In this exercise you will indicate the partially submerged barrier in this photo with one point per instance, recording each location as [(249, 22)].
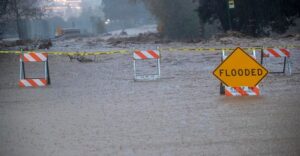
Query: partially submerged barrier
[(277, 53), (142, 55), (34, 82), (239, 90)]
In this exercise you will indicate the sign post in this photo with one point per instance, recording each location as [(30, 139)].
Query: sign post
[(231, 4)]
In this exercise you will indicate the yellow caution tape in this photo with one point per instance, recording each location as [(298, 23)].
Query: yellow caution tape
[(89, 53), (73, 53), (221, 49), (9, 52), (185, 49), (205, 49)]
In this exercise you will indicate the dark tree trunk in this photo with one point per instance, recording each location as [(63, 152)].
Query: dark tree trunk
[(16, 11)]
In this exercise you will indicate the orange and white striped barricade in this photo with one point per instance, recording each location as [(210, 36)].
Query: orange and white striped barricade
[(34, 82), (241, 90), (278, 53), (142, 55)]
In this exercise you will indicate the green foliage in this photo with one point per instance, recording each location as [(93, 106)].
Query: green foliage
[(17, 10), (252, 17), (177, 18), (3, 5), (22, 9), (100, 26)]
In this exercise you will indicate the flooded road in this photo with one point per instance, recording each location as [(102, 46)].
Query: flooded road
[(97, 109)]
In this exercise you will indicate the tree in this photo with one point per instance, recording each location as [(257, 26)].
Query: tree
[(252, 17), (3, 5), (177, 19), (92, 16), (125, 12), (17, 10)]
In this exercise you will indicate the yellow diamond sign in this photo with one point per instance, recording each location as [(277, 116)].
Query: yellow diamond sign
[(240, 69)]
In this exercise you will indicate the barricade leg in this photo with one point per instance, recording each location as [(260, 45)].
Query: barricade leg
[(134, 69), (48, 73), (158, 67), (22, 70), (222, 89), (284, 64), (289, 66)]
